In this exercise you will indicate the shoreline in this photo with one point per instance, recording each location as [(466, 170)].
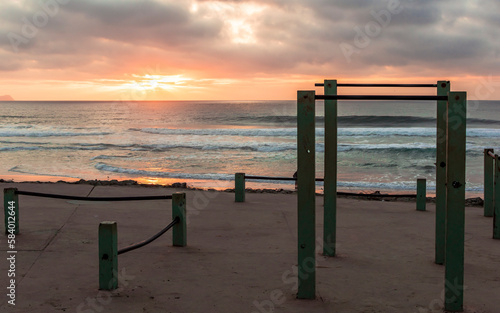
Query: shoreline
[(370, 196)]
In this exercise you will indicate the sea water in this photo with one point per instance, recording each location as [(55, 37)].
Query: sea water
[(381, 145)]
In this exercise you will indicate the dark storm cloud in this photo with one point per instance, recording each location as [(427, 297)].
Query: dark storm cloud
[(288, 37)]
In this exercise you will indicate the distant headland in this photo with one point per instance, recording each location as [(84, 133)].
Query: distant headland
[(6, 98)]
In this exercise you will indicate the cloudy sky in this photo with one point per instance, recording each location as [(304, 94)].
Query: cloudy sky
[(261, 49)]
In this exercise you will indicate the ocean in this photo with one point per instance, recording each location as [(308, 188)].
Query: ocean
[(383, 146)]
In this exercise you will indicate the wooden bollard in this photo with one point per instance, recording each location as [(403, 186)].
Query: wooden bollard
[(421, 194), (239, 187), (179, 230), (108, 256)]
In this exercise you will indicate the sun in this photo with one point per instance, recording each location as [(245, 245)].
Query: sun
[(156, 82)]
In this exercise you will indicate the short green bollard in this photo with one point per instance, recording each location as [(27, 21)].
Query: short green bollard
[(496, 211), (489, 164), (239, 187), (421, 194), (179, 231), (108, 256), (11, 210)]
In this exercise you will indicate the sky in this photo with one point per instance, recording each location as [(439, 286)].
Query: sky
[(243, 50)]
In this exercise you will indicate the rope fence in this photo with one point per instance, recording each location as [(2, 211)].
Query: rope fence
[(108, 246), (150, 240), (11, 203), (67, 197), (240, 182), (108, 237)]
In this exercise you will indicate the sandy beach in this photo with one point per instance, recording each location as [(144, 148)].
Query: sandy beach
[(240, 256)]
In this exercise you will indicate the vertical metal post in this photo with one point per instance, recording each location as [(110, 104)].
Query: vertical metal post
[(489, 164), (11, 210), (421, 194), (330, 168), (179, 231), (239, 187), (306, 194), (496, 211), (443, 87), (455, 201), (108, 256)]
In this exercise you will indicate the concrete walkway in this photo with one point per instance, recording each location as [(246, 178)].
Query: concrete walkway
[(240, 257)]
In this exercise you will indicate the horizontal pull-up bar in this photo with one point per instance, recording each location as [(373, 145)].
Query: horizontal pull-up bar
[(379, 97), (380, 85)]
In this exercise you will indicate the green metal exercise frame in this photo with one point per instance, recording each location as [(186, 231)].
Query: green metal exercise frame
[(452, 244), (330, 166)]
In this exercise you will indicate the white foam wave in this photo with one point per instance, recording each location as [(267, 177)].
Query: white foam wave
[(364, 185), (137, 172), (14, 133), (292, 132), (20, 148)]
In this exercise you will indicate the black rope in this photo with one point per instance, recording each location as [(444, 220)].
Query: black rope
[(338, 193), (379, 85), (277, 178), (376, 195), (379, 97), (48, 195), (150, 240)]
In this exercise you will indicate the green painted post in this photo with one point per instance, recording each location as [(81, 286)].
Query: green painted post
[(179, 231), (108, 256), (488, 183), (330, 168), (11, 210), (496, 211), (443, 87), (306, 194), (239, 187), (421, 194), (455, 201)]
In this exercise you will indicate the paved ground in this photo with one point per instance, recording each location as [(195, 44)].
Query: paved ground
[(240, 256)]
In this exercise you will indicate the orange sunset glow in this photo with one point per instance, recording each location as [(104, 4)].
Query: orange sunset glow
[(240, 50)]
